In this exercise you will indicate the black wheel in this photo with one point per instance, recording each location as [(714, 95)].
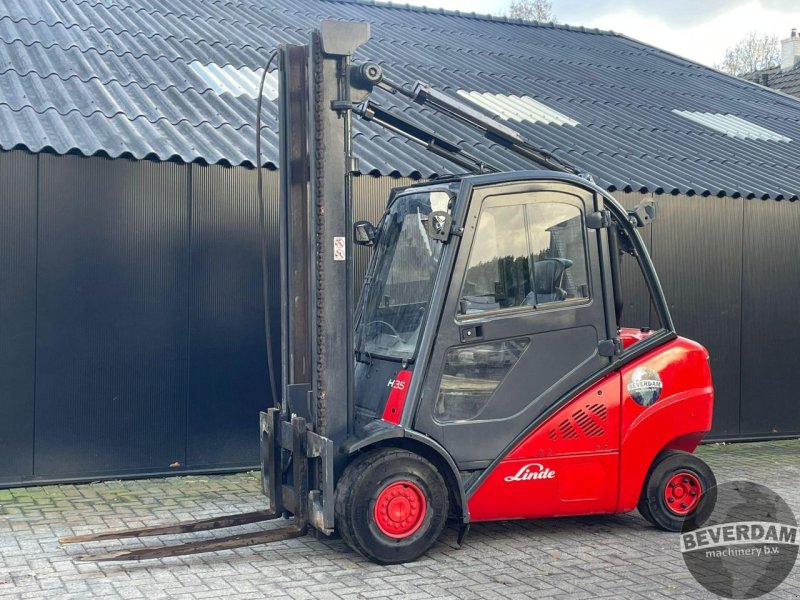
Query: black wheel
[(644, 510), (391, 505), (679, 487)]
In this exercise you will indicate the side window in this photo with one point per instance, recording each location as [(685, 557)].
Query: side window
[(557, 252), (498, 274), (471, 375), (526, 251)]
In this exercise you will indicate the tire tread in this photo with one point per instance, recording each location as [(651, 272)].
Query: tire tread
[(350, 482)]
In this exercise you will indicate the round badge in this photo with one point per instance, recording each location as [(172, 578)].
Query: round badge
[(645, 386)]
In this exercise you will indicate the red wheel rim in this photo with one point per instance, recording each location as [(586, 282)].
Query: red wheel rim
[(682, 493), (400, 509)]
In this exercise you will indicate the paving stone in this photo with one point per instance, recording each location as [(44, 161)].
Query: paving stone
[(618, 556)]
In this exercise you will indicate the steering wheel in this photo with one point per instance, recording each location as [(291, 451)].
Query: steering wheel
[(394, 332)]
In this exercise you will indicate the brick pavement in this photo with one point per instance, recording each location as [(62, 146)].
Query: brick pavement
[(617, 556)]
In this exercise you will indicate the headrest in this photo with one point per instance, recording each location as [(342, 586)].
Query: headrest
[(547, 274)]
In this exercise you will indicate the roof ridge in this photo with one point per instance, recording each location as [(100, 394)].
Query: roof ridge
[(475, 16)]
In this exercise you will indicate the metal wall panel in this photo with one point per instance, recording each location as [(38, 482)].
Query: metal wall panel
[(227, 366), (636, 298), (770, 318), (112, 326), (697, 251), (149, 297), (17, 312)]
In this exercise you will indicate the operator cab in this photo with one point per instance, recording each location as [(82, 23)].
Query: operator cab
[(504, 314)]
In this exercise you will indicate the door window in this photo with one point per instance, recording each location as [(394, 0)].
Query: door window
[(557, 252), (498, 275), (526, 252), (471, 375)]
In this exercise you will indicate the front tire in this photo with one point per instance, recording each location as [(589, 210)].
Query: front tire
[(680, 487), (391, 505)]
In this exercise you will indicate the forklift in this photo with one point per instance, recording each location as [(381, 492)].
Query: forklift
[(484, 372)]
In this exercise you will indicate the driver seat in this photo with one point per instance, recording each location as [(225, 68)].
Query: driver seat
[(548, 275)]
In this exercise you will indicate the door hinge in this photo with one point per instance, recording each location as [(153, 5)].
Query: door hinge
[(599, 219), (611, 347), (457, 231)]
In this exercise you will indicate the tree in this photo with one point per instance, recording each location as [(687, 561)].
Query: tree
[(532, 10), (756, 52)]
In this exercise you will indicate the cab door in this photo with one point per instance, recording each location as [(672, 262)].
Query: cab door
[(522, 321)]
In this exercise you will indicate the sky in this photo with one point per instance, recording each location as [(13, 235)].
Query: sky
[(699, 30)]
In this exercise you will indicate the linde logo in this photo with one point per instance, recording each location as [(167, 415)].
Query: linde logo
[(532, 471)]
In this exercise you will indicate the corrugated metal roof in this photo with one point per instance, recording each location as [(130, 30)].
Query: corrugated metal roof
[(170, 79)]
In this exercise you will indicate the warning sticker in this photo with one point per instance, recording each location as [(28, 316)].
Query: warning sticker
[(338, 248)]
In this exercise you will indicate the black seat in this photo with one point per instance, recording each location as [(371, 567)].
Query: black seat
[(548, 274)]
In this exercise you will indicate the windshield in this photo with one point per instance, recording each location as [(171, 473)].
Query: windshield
[(398, 286)]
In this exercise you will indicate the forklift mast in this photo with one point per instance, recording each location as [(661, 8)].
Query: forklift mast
[(314, 415)]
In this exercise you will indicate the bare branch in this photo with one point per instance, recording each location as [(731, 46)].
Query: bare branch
[(533, 10), (754, 53)]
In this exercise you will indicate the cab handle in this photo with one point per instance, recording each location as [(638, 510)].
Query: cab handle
[(471, 332)]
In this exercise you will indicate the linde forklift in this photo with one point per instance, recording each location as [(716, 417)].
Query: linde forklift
[(484, 373)]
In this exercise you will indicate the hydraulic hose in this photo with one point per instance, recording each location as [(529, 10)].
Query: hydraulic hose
[(262, 212)]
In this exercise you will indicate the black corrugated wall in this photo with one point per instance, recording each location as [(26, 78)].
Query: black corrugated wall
[(730, 269), (131, 328), (770, 326), (17, 314), (131, 317), (697, 250), (227, 353), (111, 332)]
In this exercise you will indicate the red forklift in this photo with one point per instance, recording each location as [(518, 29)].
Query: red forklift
[(484, 372)]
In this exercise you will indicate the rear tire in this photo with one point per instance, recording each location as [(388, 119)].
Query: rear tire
[(391, 505), (679, 487)]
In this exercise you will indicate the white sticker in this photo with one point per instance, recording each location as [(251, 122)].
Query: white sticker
[(338, 248)]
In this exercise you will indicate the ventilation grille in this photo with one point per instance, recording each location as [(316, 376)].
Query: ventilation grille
[(587, 425), (599, 411), (584, 421), (567, 430)]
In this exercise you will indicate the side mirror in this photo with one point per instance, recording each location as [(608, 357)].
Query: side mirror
[(363, 233), (643, 213)]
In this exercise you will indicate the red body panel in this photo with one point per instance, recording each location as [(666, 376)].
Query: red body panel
[(593, 454), (679, 420), (630, 336)]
